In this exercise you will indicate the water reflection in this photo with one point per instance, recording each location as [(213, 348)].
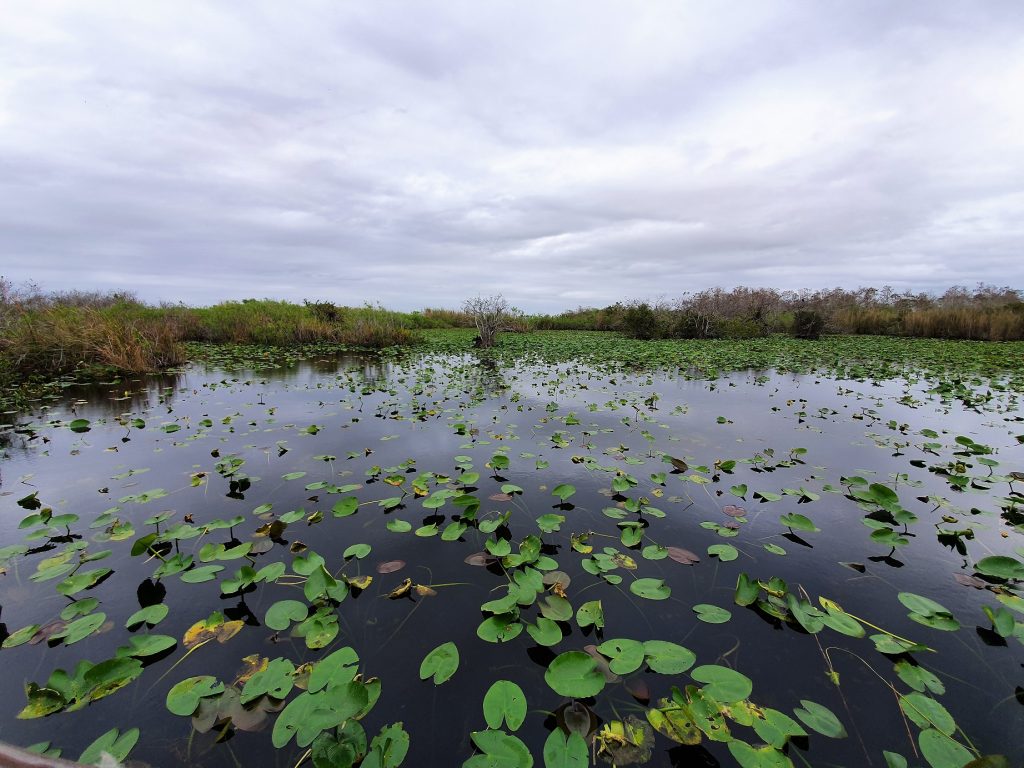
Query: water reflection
[(568, 423)]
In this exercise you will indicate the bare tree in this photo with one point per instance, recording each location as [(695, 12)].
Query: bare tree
[(490, 314)]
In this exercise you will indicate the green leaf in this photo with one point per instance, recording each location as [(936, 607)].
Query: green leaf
[(183, 698), (590, 614), (723, 684), (919, 678), (440, 663), (108, 677), (556, 608), (141, 646), (500, 750), (506, 701), (668, 658), (711, 614), (41, 702), (765, 757), (842, 622), (819, 718), (626, 655), (798, 522), (561, 751), (724, 552), (310, 713), (150, 615), (388, 748), (358, 551), (80, 628), (1000, 567), (550, 523), (563, 491), (202, 574), (545, 632), (80, 581), (275, 681), (339, 668), (25, 634), (926, 712), (345, 507), (651, 589), (776, 728), (117, 745), (928, 612), (574, 674), (500, 628), (747, 590), (282, 613), (941, 751)]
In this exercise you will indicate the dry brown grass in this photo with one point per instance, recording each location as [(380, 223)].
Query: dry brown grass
[(965, 323)]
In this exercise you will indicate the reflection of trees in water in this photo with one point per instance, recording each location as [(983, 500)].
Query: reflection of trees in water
[(111, 399), (489, 376)]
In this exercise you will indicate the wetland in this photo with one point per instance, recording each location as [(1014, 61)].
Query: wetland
[(573, 547)]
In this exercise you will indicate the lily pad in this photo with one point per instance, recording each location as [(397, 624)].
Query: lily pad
[(506, 701), (440, 663), (574, 674), (651, 589)]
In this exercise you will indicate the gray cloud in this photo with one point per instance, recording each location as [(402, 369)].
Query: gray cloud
[(564, 154)]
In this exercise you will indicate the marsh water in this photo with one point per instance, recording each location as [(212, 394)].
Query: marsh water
[(303, 437)]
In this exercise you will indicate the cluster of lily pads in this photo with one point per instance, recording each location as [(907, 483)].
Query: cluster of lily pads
[(614, 536)]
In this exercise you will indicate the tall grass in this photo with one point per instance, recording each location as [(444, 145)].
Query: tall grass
[(56, 339), (965, 323), (44, 336)]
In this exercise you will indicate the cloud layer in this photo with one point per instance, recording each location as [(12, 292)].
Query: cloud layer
[(560, 153)]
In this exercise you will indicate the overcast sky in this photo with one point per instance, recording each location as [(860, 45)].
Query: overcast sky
[(562, 153)]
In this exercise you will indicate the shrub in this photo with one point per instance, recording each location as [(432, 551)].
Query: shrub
[(323, 310), (490, 314), (694, 325), (807, 324), (641, 322), (741, 328)]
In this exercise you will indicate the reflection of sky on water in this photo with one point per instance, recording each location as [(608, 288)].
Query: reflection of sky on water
[(372, 413)]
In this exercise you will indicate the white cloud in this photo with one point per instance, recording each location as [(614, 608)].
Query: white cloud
[(580, 152)]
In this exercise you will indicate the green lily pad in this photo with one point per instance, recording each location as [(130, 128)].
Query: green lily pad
[(561, 751), (183, 698), (651, 589), (150, 615), (499, 750), (114, 743), (941, 751), (723, 684), (590, 614), (668, 658), (440, 663), (626, 655), (820, 719), (80, 628), (711, 614), (724, 552), (500, 628), (545, 632), (574, 674), (506, 701), (275, 680)]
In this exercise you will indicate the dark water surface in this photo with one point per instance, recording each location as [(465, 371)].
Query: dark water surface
[(372, 414)]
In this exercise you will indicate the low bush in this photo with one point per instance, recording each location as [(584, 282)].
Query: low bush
[(807, 324)]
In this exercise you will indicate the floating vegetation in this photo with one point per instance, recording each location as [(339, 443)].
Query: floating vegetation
[(569, 549)]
